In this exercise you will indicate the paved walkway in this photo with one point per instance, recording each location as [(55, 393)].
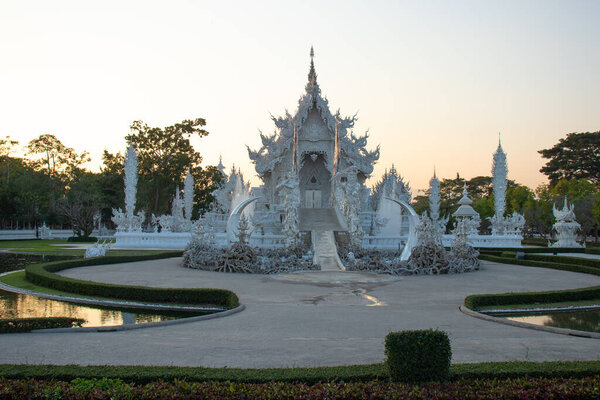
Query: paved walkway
[(306, 324)]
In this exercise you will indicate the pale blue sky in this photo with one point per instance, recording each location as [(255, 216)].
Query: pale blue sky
[(434, 82)]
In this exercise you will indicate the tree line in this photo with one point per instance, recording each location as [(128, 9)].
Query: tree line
[(50, 183), (573, 170)]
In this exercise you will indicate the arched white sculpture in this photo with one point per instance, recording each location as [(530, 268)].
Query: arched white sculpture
[(234, 218), (413, 219)]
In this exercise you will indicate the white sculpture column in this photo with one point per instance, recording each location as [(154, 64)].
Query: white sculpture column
[(499, 174), (434, 204), (188, 195)]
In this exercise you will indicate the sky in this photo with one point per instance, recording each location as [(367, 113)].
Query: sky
[(433, 82)]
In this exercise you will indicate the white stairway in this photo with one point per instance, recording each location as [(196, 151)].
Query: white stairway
[(321, 223), (325, 251)]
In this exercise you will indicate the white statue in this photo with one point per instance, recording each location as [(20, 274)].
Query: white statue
[(291, 193), (566, 226), (434, 204), (97, 250), (128, 221), (188, 195)]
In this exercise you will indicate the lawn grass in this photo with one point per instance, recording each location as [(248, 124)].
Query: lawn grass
[(60, 246)]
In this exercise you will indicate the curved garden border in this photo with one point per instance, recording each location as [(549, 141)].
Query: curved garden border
[(219, 311), (473, 303)]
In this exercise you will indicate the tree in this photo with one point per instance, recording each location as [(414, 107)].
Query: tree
[(165, 155), (55, 158), (574, 157), (7, 147)]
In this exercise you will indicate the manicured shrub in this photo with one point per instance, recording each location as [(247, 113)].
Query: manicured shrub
[(416, 356), (82, 239), (44, 275), (14, 325)]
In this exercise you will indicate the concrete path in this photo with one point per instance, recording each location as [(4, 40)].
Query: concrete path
[(307, 324)]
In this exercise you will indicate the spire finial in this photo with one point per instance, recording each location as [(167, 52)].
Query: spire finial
[(434, 177), (499, 139), (312, 74)]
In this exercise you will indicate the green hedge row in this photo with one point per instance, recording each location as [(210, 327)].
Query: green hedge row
[(588, 262), (82, 239), (15, 261), (14, 325), (494, 250), (477, 301), (573, 264), (544, 264), (44, 275), (350, 373)]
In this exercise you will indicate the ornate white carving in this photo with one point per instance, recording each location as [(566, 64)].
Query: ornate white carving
[(566, 226)]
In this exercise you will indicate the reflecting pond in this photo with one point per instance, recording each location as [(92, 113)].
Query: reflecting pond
[(15, 305), (588, 321)]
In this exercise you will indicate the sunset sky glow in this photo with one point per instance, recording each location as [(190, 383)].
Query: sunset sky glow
[(433, 81)]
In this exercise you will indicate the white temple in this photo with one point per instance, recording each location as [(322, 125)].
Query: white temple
[(313, 169)]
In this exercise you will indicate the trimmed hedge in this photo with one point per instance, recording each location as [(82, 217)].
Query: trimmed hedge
[(14, 325), (15, 261), (82, 239), (312, 375), (514, 389), (573, 264), (418, 356), (532, 263), (588, 262), (477, 301), (44, 275)]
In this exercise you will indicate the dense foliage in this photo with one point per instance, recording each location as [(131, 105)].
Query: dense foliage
[(574, 157), (514, 389), (417, 356), (44, 275), (51, 184), (15, 325)]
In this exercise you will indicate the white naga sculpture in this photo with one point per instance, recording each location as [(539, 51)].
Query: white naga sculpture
[(128, 221), (566, 226)]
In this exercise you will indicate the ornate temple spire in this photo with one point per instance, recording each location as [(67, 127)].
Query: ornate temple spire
[(434, 197), (499, 175), (312, 86)]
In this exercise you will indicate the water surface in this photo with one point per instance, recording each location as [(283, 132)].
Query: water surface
[(588, 321), (16, 305)]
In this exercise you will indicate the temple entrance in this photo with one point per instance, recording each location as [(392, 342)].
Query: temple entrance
[(313, 199), (315, 181)]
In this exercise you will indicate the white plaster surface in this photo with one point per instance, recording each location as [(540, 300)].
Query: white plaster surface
[(307, 324)]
